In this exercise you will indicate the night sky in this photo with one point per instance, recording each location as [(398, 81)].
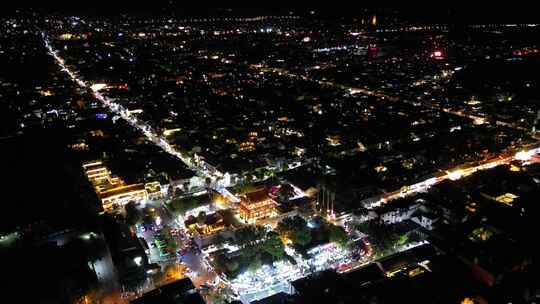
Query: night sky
[(428, 12)]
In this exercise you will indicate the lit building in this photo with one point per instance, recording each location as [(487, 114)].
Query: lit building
[(154, 190), (333, 140), (257, 205), (79, 146), (438, 55), (120, 196), (112, 190), (246, 146), (212, 223)]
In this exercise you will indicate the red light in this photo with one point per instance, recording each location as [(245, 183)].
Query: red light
[(437, 53)]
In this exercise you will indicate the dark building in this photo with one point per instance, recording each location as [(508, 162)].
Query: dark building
[(127, 252), (181, 291)]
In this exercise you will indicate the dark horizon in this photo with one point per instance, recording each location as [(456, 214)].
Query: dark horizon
[(420, 14)]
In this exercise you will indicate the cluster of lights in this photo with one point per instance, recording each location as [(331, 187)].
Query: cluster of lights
[(195, 211), (503, 25), (323, 257), (457, 174), (199, 164), (438, 54), (328, 256), (336, 48), (524, 155), (266, 280)]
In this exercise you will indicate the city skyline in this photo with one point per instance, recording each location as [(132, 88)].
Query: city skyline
[(270, 155)]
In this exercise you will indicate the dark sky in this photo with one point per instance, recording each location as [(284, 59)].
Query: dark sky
[(432, 11)]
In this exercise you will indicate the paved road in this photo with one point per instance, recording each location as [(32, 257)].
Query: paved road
[(198, 165), (200, 272), (461, 172)]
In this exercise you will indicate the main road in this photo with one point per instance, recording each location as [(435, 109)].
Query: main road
[(382, 95), (219, 180), (459, 172), (199, 271)]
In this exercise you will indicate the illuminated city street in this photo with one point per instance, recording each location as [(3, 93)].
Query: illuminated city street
[(267, 281), (160, 154)]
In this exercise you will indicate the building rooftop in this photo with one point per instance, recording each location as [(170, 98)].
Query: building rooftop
[(181, 291), (257, 196), (121, 190)]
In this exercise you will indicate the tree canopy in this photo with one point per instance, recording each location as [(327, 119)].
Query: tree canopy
[(273, 245), (383, 237), (337, 234), (201, 217), (249, 235), (296, 229), (286, 192), (258, 247), (133, 215), (167, 236), (181, 205)]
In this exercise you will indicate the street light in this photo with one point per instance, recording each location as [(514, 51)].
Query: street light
[(523, 155)]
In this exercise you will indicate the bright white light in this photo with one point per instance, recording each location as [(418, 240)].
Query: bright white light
[(523, 155), (158, 221), (431, 181), (98, 86), (195, 211), (138, 260), (455, 175), (86, 236)]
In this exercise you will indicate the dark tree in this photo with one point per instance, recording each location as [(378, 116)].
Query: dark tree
[(219, 239), (273, 245), (231, 265), (249, 235), (201, 217), (133, 215), (181, 205), (337, 234), (285, 193), (228, 217), (295, 229), (167, 236), (148, 216)]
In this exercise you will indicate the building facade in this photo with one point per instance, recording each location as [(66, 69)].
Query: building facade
[(112, 190), (257, 205)]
